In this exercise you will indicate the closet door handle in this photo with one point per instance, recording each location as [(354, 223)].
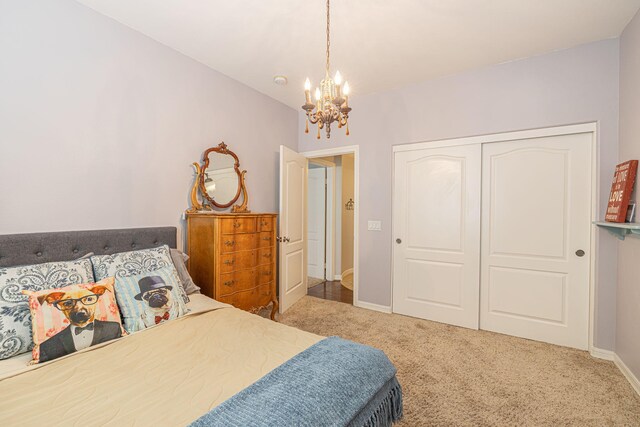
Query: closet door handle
[(580, 253), (398, 241)]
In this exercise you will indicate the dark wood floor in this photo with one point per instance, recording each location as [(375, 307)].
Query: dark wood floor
[(332, 290)]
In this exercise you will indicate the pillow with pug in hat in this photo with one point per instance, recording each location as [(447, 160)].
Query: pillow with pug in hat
[(149, 299)]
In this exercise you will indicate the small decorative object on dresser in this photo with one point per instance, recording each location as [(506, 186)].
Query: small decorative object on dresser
[(232, 257)]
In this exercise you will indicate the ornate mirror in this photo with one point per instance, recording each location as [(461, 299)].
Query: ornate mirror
[(220, 180)]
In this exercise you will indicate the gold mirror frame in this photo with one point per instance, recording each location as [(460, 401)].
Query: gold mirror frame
[(199, 184)]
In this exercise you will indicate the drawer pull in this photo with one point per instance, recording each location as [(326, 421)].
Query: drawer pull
[(266, 239), (230, 242), (263, 223), (266, 273), (237, 225), (230, 262), (266, 255), (229, 282)]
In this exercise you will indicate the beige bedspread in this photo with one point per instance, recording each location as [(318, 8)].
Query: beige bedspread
[(164, 376)]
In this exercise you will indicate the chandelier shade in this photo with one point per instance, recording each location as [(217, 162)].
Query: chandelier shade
[(331, 97)]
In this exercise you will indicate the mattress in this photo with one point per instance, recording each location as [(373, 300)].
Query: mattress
[(166, 375)]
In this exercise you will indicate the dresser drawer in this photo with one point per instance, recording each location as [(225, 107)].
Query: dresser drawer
[(238, 225), (238, 242), (256, 297), (240, 260), (237, 281), (265, 239), (266, 255), (265, 224), (266, 273)]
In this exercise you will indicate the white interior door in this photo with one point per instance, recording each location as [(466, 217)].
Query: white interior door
[(292, 227), (316, 222), (436, 221), (536, 211)]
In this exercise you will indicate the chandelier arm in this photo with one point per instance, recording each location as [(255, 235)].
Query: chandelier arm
[(313, 118)]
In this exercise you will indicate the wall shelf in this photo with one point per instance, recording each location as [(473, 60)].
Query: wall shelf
[(620, 229)]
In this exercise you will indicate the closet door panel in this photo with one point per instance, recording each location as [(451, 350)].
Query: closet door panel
[(436, 210), (536, 215)]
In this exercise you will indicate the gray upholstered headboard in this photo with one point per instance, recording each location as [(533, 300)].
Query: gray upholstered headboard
[(36, 248)]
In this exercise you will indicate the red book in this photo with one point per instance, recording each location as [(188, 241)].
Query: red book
[(621, 190)]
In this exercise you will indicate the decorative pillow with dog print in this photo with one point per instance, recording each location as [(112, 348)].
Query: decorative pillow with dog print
[(15, 319), (149, 299), (73, 318), (126, 264)]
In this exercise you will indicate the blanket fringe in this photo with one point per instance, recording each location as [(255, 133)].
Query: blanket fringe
[(389, 410)]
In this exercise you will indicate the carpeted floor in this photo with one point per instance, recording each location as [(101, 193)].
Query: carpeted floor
[(458, 377)]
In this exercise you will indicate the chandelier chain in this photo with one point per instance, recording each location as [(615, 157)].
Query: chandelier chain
[(328, 39)]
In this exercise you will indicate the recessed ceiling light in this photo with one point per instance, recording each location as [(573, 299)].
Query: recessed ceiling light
[(280, 80)]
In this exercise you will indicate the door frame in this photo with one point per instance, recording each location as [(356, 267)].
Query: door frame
[(330, 215), (591, 127), (338, 151)]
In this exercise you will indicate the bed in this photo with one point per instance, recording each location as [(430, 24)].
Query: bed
[(215, 366)]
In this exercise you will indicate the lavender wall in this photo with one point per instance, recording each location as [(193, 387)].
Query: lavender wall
[(99, 124), (628, 310), (571, 86)]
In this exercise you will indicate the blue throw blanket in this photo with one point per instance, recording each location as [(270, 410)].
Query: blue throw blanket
[(332, 383)]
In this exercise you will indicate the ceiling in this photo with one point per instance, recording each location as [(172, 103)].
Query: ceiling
[(376, 44)]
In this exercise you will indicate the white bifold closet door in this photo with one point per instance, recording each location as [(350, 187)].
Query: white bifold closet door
[(529, 202), (536, 210), (437, 230)]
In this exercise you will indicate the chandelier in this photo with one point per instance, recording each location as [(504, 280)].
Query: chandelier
[(332, 99)]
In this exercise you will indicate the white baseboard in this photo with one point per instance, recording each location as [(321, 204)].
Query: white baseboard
[(610, 355), (337, 277), (635, 383), (602, 354), (374, 307)]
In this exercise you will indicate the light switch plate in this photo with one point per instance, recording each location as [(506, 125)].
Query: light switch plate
[(374, 226)]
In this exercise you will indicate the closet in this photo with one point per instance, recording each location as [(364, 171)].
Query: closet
[(495, 233)]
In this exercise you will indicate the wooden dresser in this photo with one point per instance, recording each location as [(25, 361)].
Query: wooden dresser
[(232, 257)]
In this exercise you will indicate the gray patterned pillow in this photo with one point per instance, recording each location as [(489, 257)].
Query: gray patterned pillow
[(125, 264), (15, 318), (179, 258)]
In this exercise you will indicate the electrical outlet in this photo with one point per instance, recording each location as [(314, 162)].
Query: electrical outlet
[(374, 226)]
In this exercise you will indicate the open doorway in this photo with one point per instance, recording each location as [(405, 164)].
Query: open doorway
[(330, 227), (292, 225)]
